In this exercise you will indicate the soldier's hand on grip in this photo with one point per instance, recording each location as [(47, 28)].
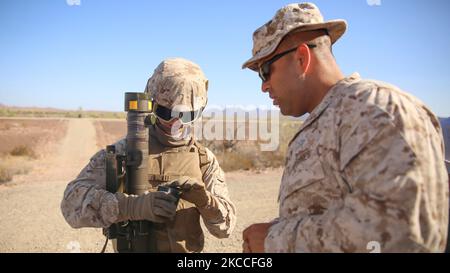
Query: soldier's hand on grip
[(157, 207), (193, 191)]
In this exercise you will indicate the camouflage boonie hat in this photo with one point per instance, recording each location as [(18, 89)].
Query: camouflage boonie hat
[(178, 83), (304, 17)]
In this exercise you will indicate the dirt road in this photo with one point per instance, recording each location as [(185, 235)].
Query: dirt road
[(30, 217)]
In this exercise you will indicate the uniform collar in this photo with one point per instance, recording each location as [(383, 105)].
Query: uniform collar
[(329, 97)]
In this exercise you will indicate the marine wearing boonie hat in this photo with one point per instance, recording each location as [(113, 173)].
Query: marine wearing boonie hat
[(301, 17)]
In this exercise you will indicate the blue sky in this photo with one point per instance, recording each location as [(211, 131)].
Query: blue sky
[(56, 55)]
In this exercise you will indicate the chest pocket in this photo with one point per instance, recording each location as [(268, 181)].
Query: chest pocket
[(184, 234), (302, 168), (311, 181), (172, 164)]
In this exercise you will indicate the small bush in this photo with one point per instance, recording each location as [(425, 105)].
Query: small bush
[(10, 166), (247, 155), (230, 161), (23, 150), (5, 175)]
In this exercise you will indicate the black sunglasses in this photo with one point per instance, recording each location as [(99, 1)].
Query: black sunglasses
[(168, 115), (264, 69)]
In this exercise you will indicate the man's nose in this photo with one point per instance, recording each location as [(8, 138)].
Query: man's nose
[(265, 86)]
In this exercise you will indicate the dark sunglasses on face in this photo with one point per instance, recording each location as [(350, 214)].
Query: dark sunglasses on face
[(168, 115), (264, 69)]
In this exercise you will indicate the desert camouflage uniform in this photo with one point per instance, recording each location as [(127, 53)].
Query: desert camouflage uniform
[(86, 202), (367, 165), (175, 83)]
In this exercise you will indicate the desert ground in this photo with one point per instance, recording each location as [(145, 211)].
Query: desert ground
[(30, 216)]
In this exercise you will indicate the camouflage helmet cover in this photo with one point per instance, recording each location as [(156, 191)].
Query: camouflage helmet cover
[(178, 83)]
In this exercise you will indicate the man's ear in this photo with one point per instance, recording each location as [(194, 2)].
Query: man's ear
[(303, 59)]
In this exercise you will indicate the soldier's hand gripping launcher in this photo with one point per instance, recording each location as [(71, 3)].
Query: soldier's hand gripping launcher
[(128, 173)]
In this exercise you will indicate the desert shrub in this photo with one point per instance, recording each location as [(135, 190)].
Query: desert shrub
[(5, 175), (247, 155), (230, 161), (23, 150), (10, 167)]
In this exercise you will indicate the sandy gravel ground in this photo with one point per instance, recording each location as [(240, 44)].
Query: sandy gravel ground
[(31, 221)]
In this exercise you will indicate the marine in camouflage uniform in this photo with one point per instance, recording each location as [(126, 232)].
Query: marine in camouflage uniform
[(367, 165), (174, 158)]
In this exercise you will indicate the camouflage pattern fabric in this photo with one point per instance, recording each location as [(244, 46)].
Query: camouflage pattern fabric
[(366, 166), (86, 202), (301, 17), (178, 84)]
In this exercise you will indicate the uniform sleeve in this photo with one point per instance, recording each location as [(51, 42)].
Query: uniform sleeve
[(391, 158), (220, 216), (86, 203)]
